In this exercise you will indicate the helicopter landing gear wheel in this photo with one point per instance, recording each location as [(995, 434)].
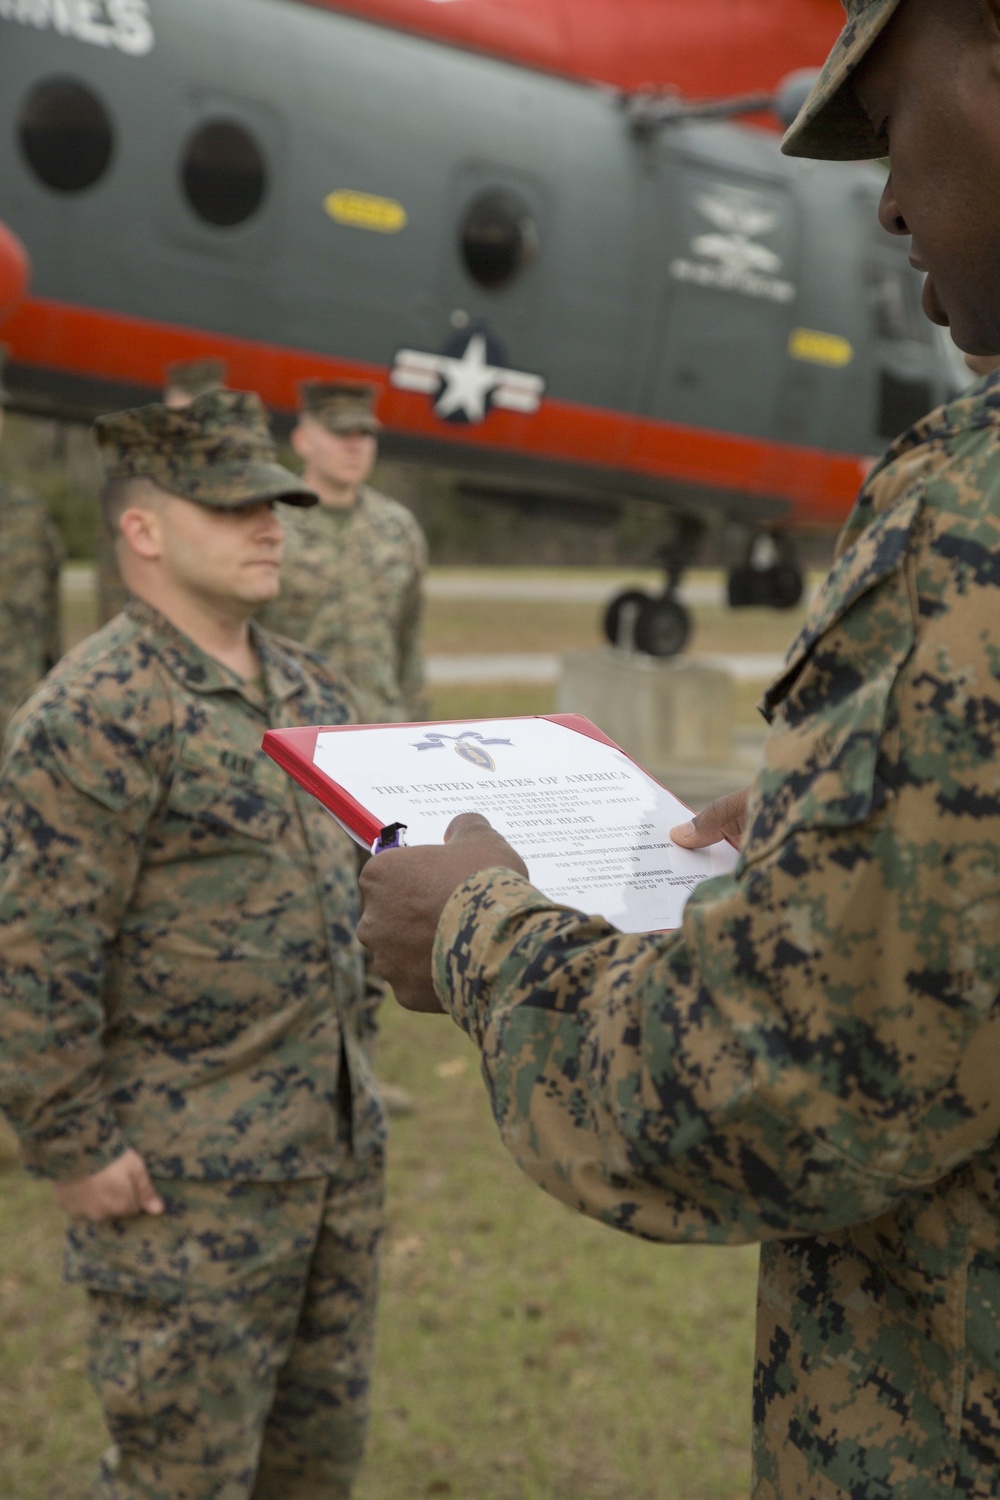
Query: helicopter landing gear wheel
[(621, 616), (653, 626), (658, 625), (769, 576), (663, 627), (786, 586)]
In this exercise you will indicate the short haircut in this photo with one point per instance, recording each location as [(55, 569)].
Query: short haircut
[(118, 495)]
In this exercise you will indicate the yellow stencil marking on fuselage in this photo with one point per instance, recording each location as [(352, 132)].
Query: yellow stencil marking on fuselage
[(365, 211), (820, 348)]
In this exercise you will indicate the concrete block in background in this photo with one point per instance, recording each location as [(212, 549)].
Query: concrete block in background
[(663, 713)]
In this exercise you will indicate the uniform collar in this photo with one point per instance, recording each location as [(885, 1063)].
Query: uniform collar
[(976, 409), (341, 513), (201, 673), (283, 674)]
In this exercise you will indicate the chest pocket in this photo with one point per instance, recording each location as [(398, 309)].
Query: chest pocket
[(830, 761), (226, 795)]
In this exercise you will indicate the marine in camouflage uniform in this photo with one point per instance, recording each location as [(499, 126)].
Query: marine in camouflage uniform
[(352, 582), (184, 381), (352, 576), (31, 554), (180, 977), (812, 1060)]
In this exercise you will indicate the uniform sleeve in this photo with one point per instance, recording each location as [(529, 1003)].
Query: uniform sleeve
[(822, 1037), (411, 664), (75, 798)]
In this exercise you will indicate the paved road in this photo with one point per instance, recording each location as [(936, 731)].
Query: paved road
[(703, 590), (539, 667), (474, 586), (78, 578)]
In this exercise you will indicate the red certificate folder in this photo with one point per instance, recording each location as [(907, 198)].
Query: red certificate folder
[(294, 751)]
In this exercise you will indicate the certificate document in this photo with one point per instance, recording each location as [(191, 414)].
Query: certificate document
[(590, 824)]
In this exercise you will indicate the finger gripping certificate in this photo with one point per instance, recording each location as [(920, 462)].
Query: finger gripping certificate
[(590, 824)]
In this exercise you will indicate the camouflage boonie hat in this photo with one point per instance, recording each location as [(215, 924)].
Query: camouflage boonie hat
[(341, 405), (195, 376), (831, 124), (217, 452)]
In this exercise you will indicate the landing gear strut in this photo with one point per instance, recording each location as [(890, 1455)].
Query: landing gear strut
[(769, 574), (658, 625)]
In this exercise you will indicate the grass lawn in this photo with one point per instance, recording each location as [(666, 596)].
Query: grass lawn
[(524, 1353), (469, 626), (462, 626)]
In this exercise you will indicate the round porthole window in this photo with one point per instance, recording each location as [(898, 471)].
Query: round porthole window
[(66, 135), (499, 238), (224, 173)]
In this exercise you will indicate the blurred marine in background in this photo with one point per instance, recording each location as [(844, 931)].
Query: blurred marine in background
[(352, 578), (183, 1027), (31, 555), (188, 379), (352, 581)]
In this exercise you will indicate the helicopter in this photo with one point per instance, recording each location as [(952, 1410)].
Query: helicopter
[(572, 295)]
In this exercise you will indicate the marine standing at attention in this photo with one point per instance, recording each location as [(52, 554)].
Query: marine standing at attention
[(352, 578), (812, 1061), (182, 1023), (182, 383), (31, 553)]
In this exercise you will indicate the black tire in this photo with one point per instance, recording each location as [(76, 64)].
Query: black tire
[(742, 589), (784, 586), (663, 628), (613, 614)]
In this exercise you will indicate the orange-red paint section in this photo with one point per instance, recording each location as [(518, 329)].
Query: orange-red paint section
[(703, 48), (820, 486), (15, 270)]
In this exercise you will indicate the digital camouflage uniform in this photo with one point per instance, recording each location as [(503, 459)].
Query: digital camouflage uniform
[(180, 975), (812, 1061), (31, 553), (352, 580)]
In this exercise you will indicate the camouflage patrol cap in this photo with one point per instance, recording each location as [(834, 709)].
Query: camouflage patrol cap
[(195, 376), (341, 405), (217, 452), (831, 124)]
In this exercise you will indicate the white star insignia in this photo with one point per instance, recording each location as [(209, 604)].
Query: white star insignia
[(470, 383)]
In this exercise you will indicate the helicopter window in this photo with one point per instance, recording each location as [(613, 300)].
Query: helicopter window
[(224, 173), (66, 135), (499, 239)]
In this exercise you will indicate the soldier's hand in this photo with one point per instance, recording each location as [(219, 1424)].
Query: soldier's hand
[(119, 1191), (725, 818), (405, 892)]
